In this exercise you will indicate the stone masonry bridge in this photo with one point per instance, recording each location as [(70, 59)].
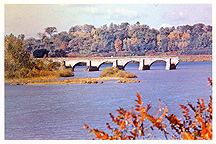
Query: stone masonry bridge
[(94, 63)]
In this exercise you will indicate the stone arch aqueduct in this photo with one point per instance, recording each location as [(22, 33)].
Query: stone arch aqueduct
[(94, 63)]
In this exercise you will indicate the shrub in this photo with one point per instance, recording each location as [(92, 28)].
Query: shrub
[(109, 72), (39, 65), (66, 73), (46, 73), (24, 72), (33, 73), (115, 72), (50, 66), (122, 74)]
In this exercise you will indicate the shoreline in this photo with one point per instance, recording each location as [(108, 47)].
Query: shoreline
[(53, 80), (195, 58), (80, 81)]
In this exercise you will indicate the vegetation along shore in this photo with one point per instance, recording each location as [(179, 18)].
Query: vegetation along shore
[(190, 43), (109, 75)]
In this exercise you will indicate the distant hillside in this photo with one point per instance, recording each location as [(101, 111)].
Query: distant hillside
[(122, 40)]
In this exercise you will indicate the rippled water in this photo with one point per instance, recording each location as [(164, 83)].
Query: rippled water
[(41, 112)]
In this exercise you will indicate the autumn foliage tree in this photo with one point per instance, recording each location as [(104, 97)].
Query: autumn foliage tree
[(118, 44), (138, 123)]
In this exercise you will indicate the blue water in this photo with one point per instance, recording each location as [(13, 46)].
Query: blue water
[(53, 112)]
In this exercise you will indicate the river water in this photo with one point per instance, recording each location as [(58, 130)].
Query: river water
[(58, 112)]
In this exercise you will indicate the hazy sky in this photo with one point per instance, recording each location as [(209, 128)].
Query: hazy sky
[(30, 19)]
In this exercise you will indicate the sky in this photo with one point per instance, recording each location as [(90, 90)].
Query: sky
[(30, 19)]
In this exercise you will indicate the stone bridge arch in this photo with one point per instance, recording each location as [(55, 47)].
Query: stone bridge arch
[(103, 62), (128, 61), (155, 61), (169, 64), (78, 63)]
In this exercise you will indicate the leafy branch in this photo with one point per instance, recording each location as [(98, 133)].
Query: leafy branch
[(137, 123)]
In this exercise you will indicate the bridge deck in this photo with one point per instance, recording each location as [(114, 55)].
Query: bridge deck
[(94, 63)]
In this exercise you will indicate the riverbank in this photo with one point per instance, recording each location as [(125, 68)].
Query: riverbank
[(52, 79), (33, 79), (195, 58), (80, 81), (108, 75)]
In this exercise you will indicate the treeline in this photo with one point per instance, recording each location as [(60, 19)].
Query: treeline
[(122, 40)]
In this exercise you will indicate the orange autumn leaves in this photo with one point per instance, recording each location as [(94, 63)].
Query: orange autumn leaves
[(132, 123), (194, 124)]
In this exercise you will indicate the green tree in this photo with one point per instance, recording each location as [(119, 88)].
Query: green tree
[(65, 38), (50, 30), (21, 36), (16, 56), (164, 44)]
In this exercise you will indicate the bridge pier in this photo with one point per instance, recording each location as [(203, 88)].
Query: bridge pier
[(172, 66), (115, 64), (146, 67), (120, 67), (89, 67), (169, 65), (142, 65)]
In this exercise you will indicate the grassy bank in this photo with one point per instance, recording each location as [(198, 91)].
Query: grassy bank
[(43, 75), (86, 81), (195, 58), (109, 75)]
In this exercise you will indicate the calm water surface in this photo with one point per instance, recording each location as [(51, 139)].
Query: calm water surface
[(42, 112)]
